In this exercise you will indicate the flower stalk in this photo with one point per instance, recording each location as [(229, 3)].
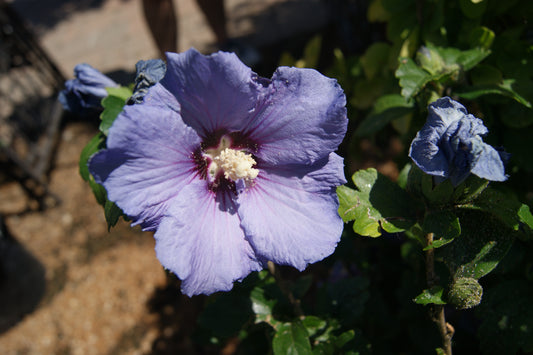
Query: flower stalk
[(436, 311)]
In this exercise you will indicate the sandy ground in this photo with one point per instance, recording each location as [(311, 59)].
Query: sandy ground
[(94, 285)]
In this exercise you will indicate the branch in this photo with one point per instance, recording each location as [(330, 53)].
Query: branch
[(446, 330)]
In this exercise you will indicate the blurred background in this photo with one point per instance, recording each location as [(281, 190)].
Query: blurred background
[(67, 285)]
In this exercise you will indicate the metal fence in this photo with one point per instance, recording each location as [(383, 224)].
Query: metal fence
[(30, 114)]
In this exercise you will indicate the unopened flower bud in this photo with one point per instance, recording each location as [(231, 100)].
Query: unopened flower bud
[(465, 293)]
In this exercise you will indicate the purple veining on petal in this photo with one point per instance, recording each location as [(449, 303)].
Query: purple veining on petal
[(200, 240), (147, 162)]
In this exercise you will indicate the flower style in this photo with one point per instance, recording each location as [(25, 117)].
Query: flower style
[(86, 90), (450, 146), (230, 169)]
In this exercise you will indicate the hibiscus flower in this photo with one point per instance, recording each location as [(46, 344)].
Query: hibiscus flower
[(229, 169)]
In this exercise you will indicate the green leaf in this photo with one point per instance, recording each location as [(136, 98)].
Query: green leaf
[(371, 206), (313, 325), (376, 12), (430, 60), (465, 59), (484, 74), (291, 339), (332, 344), (94, 145), (431, 296), (502, 206), (344, 338), (515, 115), (414, 181), (412, 78), (404, 174), (99, 192), (403, 19), (506, 314), (483, 243), (113, 105), (375, 59), (386, 109), (440, 194), (349, 203), (312, 52), (262, 305), (121, 92), (444, 225), (367, 91), (112, 213), (503, 89), (470, 189), (327, 335), (526, 218), (481, 37)]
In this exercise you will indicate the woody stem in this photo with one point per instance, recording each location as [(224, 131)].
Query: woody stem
[(436, 311)]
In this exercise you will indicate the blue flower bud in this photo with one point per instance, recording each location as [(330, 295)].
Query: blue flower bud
[(85, 91), (450, 145), (149, 72)]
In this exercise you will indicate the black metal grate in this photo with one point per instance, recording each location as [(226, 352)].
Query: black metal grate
[(30, 114)]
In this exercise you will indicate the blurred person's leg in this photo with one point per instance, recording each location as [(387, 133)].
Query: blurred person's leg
[(215, 14), (161, 19), (160, 16)]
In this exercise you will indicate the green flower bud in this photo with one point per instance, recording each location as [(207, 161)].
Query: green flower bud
[(430, 60), (465, 293)]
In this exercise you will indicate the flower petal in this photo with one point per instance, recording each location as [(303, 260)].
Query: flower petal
[(290, 215), (201, 241), (426, 153), (443, 112), (490, 165), (147, 162), (92, 77), (215, 92), (301, 119)]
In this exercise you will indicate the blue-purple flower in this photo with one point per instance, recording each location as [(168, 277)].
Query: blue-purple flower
[(85, 91), (450, 145), (230, 169)]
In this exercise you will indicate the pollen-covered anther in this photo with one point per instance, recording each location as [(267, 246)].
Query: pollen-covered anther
[(236, 164)]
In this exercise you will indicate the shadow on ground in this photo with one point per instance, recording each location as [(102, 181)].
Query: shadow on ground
[(22, 281)]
